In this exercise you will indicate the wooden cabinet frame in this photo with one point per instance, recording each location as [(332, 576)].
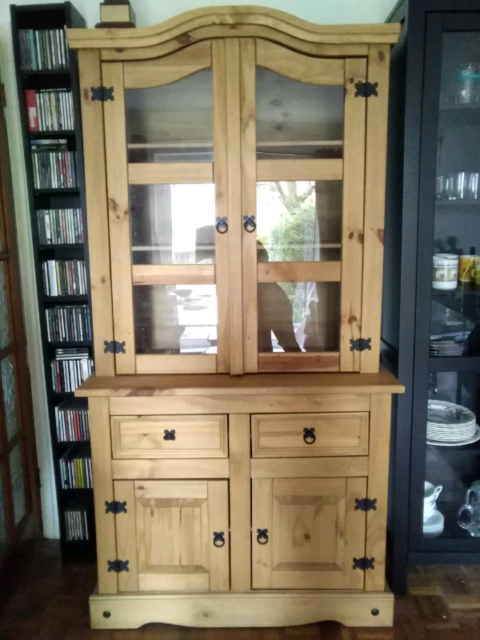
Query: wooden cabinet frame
[(234, 173)]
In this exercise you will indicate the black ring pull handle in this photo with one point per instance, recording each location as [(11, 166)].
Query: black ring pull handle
[(262, 536), (219, 539), (222, 225), (309, 436), (249, 223), (169, 434)]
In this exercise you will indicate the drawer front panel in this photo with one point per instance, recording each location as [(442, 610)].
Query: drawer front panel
[(309, 434), (136, 437)]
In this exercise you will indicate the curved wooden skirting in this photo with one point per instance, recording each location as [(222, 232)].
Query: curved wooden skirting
[(180, 27)]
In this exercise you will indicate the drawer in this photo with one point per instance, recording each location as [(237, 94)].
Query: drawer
[(169, 437), (309, 434)]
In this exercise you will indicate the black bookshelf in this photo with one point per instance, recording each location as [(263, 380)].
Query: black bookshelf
[(56, 16)]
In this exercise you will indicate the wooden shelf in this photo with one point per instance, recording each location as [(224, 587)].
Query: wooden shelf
[(50, 134), (62, 299), (45, 72), (40, 192)]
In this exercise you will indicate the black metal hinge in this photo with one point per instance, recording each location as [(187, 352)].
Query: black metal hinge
[(118, 565), (364, 563), (115, 507), (366, 89), (365, 504), (102, 93), (362, 344), (114, 346)]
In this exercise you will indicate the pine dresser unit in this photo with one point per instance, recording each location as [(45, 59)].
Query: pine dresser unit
[(240, 422)]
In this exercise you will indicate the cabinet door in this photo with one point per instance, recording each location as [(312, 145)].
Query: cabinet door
[(174, 535), (306, 533), (166, 163), (303, 161)]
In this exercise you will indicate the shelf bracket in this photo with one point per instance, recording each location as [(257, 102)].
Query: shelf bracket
[(114, 346), (115, 507), (365, 504)]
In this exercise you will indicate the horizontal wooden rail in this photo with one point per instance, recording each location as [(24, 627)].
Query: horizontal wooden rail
[(299, 271), (173, 274), (275, 362), (300, 169), (170, 173), (182, 363)]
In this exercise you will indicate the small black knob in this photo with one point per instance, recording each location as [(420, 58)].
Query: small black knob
[(219, 538), (375, 612), (222, 225), (309, 436), (169, 434), (106, 614), (249, 223), (262, 536)]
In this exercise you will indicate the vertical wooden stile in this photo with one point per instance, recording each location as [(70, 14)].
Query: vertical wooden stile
[(103, 483), (220, 173), (97, 215), (380, 420), (119, 216), (375, 175), (218, 522), (353, 203), (126, 535), (249, 202), (235, 230)]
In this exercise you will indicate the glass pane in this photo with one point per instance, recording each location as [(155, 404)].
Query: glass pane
[(456, 260), (453, 456), (175, 319), (4, 311), (9, 387), (298, 316), (295, 119), (18, 483), (172, 223), (172, 123), (299, 221)]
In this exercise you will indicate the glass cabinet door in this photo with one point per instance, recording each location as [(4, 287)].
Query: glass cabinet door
[(303, 210), (446, 490), (168, 246)]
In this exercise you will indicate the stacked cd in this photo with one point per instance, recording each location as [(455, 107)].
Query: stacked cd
[(450, 423)]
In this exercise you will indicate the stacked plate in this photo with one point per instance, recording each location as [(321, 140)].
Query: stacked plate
[(450, 424), (447, 345)]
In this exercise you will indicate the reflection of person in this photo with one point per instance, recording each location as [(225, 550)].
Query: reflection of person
[(275, 312)]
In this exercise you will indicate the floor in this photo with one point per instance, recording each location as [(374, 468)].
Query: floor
[(43, 600)]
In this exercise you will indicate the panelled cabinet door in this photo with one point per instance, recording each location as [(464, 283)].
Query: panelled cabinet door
[(174, 535), (303, 150), (165, 156), (306, 533)]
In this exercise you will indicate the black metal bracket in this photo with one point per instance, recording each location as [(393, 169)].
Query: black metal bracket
[(113, 346), (362, 344), (249, 223), (366, 89), (222, 225), (118, 565), (364, 563), (365, 504), (262, 536), (219, 538), (169, 434), (115, 507), (102, 93)]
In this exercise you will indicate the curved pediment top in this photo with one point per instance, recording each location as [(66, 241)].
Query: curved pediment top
[(231, 21)]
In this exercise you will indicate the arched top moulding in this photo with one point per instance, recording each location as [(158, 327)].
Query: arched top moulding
[(233, 21)]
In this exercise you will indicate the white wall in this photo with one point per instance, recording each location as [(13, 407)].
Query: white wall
[(148, 12)]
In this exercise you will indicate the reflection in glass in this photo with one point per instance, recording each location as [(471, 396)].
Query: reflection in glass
[(172, 123), (444, 467), (18, 483), (9, 387), (172, 224), (299, 221), (3, 530), (298, 316), (172, 319), (4, 314), (295, 119)]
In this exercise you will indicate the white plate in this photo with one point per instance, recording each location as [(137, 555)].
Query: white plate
[(447, 413), (456, 443)]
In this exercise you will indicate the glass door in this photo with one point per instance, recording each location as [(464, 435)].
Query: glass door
[(303, 192), (168, 220), (446, 460)]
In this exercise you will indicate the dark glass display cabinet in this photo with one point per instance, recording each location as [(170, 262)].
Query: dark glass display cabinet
[(431, 311)]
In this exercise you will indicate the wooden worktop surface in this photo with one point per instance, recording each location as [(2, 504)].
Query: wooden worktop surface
[(253, 384)]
